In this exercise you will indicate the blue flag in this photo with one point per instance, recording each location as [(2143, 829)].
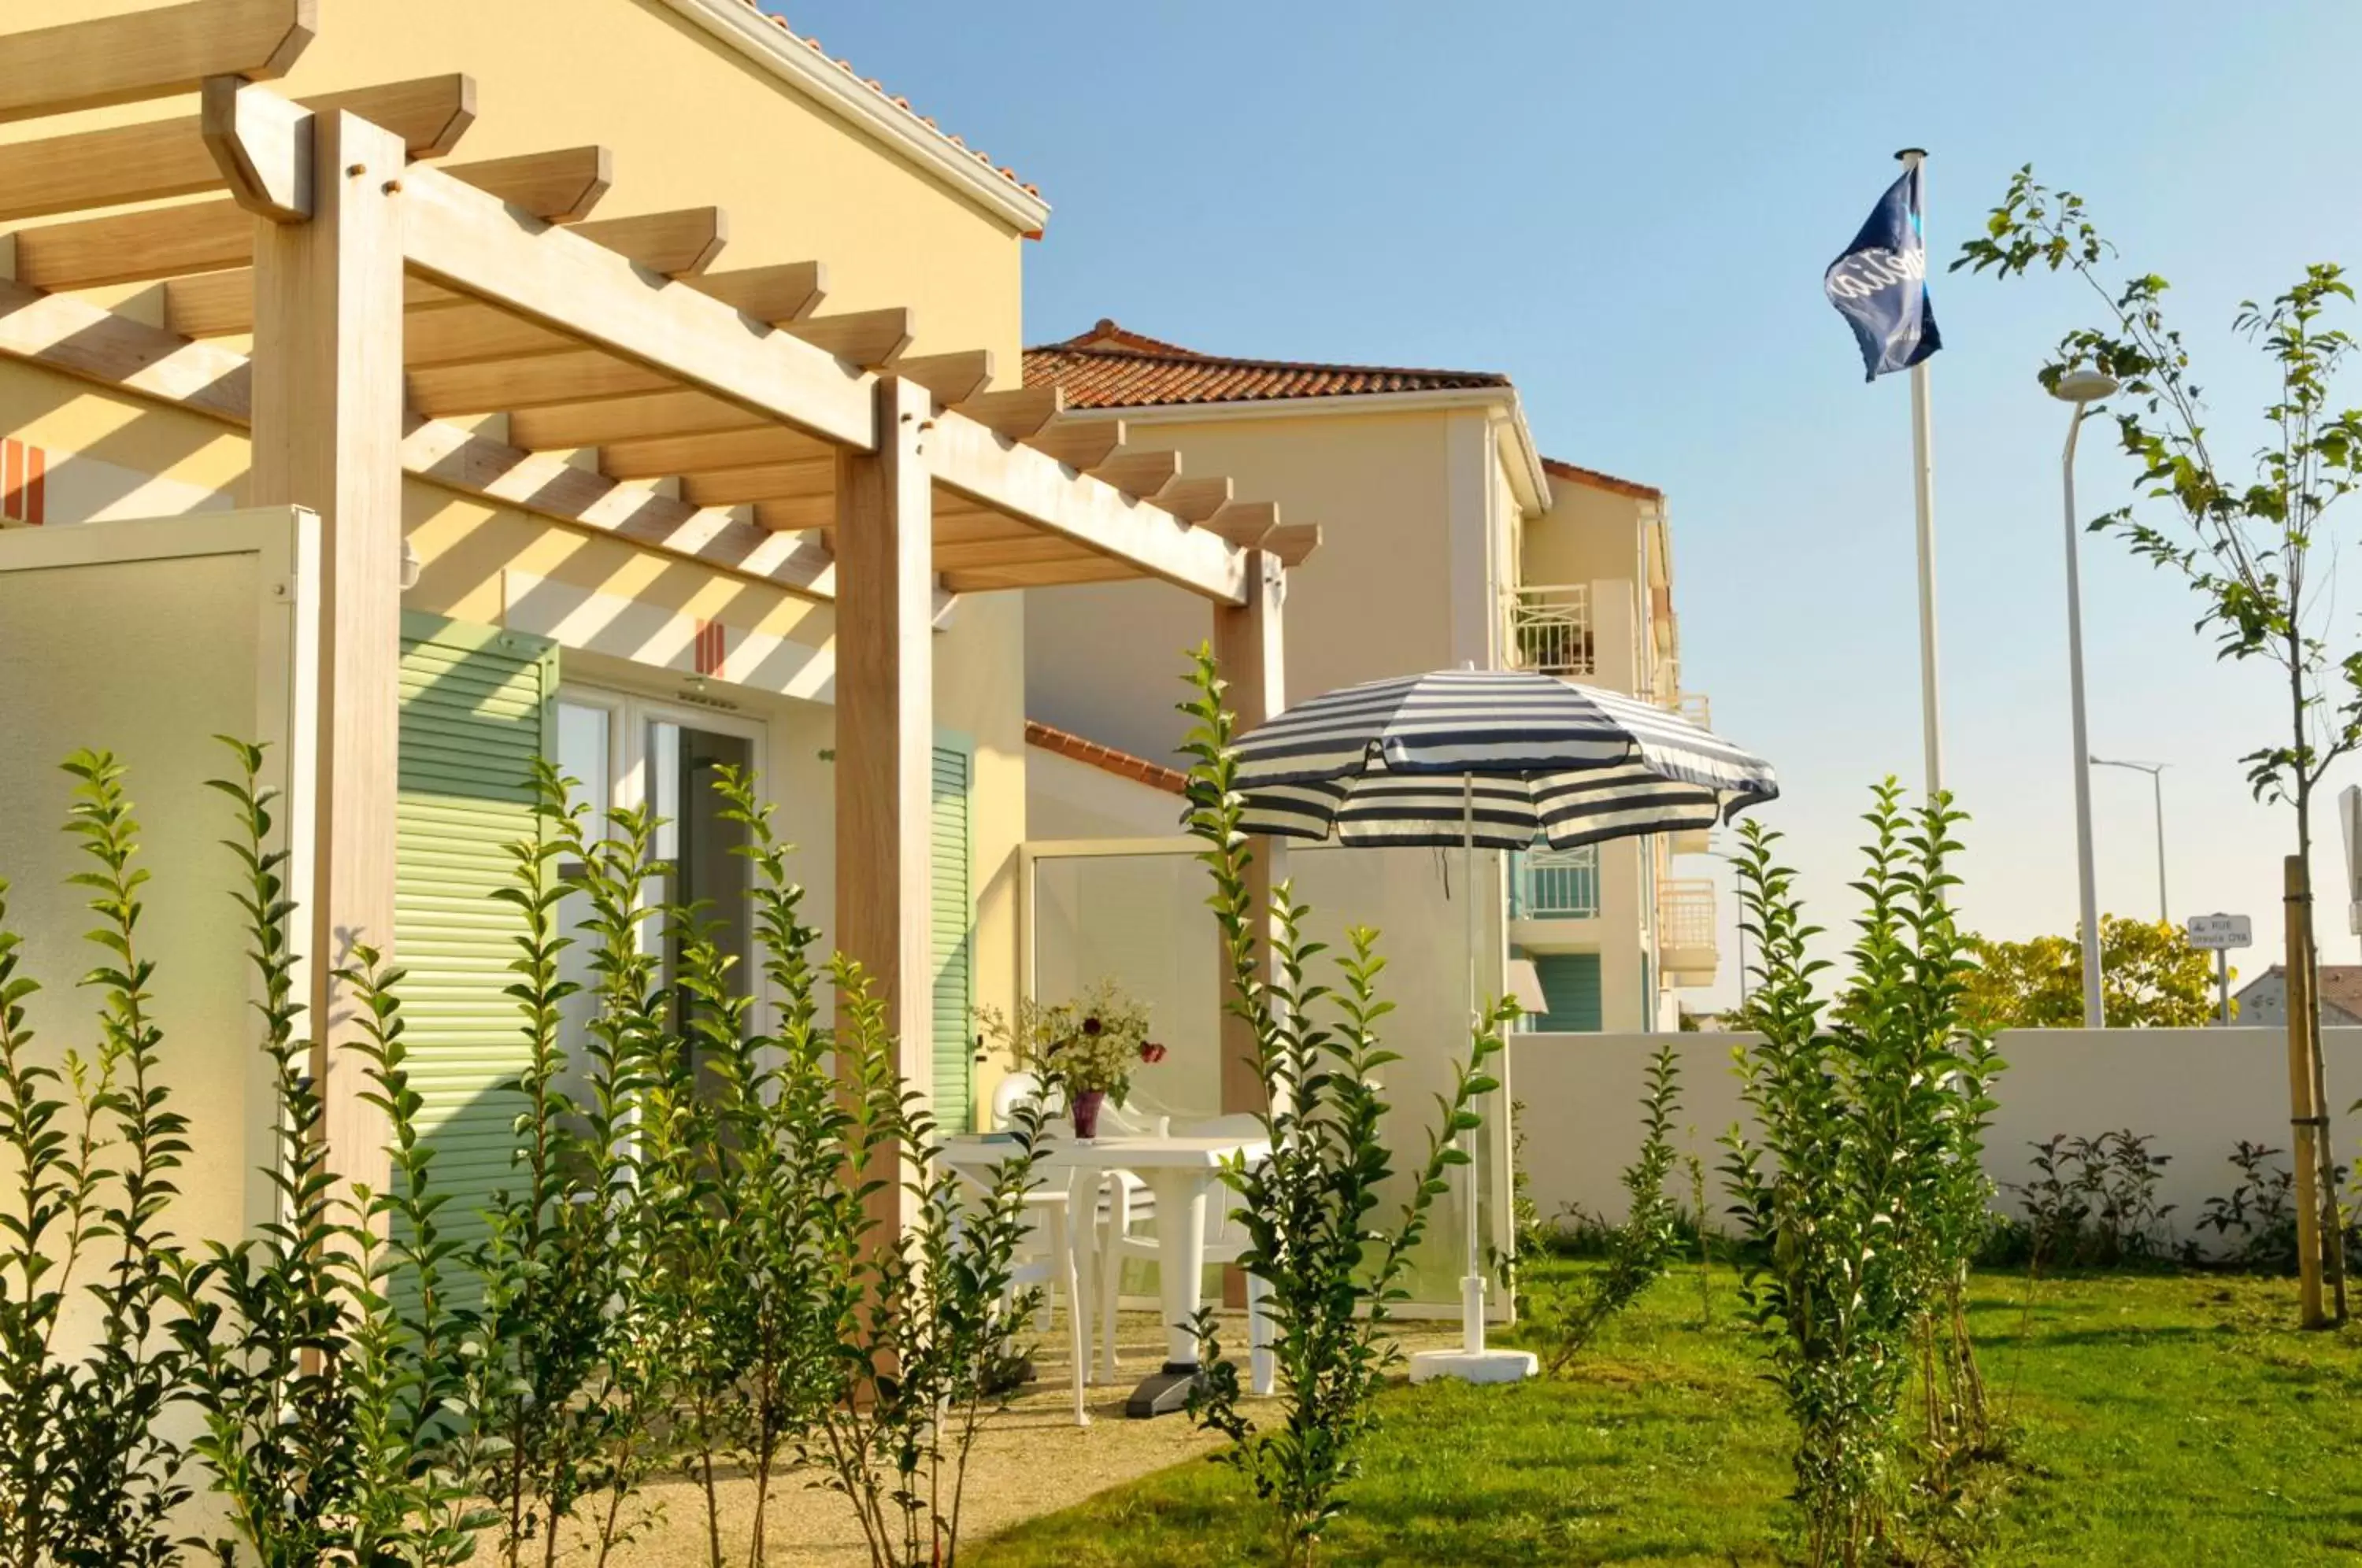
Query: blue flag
[(1880, 284)]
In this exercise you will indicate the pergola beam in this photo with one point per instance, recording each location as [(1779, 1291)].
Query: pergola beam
[(151, 53), (468, 241), (1031, 486)]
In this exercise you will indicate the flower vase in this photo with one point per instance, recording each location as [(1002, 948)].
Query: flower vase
[(1086, 1104)]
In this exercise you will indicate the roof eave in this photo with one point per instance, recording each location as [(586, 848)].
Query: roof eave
[(1520, 458), (819, 78)]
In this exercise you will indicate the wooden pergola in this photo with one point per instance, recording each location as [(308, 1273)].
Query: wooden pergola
[(392, 293)]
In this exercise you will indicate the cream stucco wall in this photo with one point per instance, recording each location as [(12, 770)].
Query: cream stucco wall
[(691, 122), (1107, 662), (1597, 538)]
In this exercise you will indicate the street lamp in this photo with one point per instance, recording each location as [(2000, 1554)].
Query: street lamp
[(2156, 771), (2082, 387)]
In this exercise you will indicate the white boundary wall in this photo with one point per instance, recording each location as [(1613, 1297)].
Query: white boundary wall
[(2195, 1092)]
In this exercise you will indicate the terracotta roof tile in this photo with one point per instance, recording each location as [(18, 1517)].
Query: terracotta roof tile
[(1598, 481), (1122, 764), (1110, 367), (764, 11)]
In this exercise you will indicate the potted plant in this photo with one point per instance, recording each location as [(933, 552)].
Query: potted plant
[(1087, 1047)]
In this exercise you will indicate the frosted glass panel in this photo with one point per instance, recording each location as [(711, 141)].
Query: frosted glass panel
[(1141, 920)]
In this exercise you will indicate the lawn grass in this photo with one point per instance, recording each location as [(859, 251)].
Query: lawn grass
[(2151, 1419)]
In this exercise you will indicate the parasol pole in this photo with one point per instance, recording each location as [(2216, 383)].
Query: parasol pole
[(1472, 1285)]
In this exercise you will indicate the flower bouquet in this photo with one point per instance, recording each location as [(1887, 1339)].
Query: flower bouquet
[(1088, 1047)]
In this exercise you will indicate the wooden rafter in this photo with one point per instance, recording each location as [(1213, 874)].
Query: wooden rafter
[(473, 335), (788, 291), (1031, 551), (129, 247), (1038, 574), (80, 339), (660, 414), (869, 339), (1245, 522), (1081, 444), (463, 240), (564, 185), (151, 53), (775, 482), (442, 392), (1194, 500), (1032, 485), (1018, 412), (797, 513), (951, 378), (661, 455), (1144, 474), (159, 160), (1293, 542), (675, 244)]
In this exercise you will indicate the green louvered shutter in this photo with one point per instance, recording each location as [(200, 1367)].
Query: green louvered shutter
[(1571, 986), (479, 705), (955, 942)]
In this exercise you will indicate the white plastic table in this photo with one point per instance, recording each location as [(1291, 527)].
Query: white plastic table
[(1184, 1172)]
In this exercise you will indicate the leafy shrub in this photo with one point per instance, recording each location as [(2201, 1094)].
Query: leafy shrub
[(1568, 1318), (2092, 1201), (1864, 1202), (692, 1265), (1333, 1277)]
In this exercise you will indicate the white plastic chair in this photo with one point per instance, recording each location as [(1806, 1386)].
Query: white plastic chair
[(1121, 1236), (1043, 1258)]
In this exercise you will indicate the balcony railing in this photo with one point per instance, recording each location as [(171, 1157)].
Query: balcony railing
[(1555, 883), (1695, 706), (1549, 630), (1685, 915)]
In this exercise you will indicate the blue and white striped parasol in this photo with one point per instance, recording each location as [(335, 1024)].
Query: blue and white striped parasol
[(1489, 759), (1492, 759)]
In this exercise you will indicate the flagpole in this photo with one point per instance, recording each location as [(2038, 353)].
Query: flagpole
[(1923, 465)]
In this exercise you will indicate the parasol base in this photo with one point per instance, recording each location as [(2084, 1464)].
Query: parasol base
[(1474, 1366)]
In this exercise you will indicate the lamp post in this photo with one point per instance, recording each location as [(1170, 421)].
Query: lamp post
[(2156, 771), (2081, 388)]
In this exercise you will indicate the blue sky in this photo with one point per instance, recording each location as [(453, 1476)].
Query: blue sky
[(1629, 209)]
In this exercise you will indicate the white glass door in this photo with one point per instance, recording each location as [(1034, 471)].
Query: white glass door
[(625, 753)]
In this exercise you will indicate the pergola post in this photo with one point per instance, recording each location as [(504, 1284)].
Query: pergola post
[(1251, 652), (885, 728), (327, 427)]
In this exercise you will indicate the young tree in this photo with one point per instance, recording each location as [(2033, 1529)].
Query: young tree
[(2244, 541), (2154, 979), (1333, 1271)]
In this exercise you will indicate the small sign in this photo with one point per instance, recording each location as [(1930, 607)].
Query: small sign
[(2214, 933)]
